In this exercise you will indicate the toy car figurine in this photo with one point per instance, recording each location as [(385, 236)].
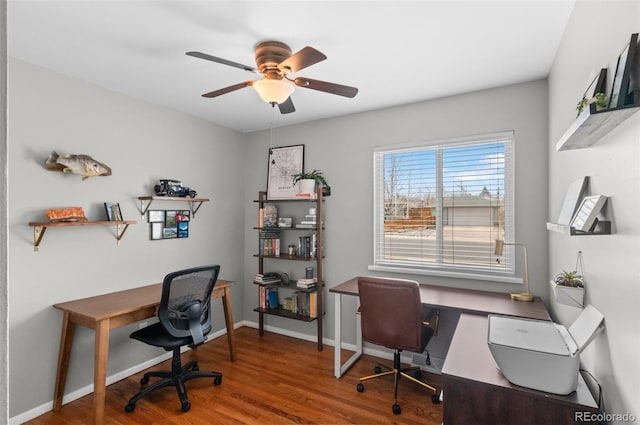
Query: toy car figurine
[(168, 187)]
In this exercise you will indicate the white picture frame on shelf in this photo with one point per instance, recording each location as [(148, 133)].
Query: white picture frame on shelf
[(572, 200), (587, 212)]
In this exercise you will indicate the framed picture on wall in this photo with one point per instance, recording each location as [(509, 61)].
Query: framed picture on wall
[(623, 73), (284, 162), (587, 212), (156, 231), (156, 216)]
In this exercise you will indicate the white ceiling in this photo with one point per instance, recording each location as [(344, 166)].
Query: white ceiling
[(395, 52)]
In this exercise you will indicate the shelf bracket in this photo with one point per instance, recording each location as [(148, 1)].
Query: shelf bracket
[(144, 208), (197, 207), (38, 233), (120, 229)]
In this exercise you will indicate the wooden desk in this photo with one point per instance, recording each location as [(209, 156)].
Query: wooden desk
[(109, 311), (475, 391), (466, 300)]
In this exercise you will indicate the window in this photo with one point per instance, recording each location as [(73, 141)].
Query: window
[(439, 207)]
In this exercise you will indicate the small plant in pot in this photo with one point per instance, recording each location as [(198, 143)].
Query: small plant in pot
[(572, 279), (308, 181), (568, 287)]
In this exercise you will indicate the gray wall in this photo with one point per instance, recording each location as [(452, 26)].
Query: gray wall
[(343, 149), (593, 39), (4, 302), (141, 143)]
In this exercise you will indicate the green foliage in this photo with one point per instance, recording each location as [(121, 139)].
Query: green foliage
[(600, 99), (313, 175), (571, 278)]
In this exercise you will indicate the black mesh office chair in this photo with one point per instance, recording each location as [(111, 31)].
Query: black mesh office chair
[(185, 319), (392, 316)]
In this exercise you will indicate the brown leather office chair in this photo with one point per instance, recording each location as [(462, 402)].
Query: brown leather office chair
[(392, 316)]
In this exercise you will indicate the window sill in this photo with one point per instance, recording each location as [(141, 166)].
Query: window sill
[(443, 273)]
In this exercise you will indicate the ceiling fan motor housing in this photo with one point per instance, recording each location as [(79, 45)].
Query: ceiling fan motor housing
[(269, 54)]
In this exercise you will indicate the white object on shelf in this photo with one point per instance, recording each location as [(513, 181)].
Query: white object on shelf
[(587, 212)]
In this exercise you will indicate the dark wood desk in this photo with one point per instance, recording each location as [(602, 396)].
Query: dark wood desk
[(475, 391), (109, 311), (465, 300)]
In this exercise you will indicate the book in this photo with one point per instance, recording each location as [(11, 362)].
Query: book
[(270, 216), (307, 283), (272, 297), (113, 211)]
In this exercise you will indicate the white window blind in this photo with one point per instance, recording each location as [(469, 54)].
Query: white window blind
[(441, 206)]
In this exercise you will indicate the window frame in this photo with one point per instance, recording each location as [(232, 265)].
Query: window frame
[(507, 274)]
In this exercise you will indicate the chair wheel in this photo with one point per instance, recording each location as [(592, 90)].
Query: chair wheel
[(435, 399), (217, 380), (360, 388), (396, 409), (377, 369), (129, 408), (186, 406), (144, 380)]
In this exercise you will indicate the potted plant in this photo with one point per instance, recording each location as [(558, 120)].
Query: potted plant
[(307, 181), (569, 288)]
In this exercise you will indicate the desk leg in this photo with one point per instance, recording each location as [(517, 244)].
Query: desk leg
[(100, 370), (64, 354), (337, 332), (228, 318), (339, 368)]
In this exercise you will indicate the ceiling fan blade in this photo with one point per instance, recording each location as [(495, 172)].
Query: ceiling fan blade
[(302, 59), (222, 61), (286, 107), (225, 90), (324, 86)]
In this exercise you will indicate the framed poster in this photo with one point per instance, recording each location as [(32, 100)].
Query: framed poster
[(284, 162), (623, 73)]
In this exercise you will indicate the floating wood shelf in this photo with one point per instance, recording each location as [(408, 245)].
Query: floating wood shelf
[(592, 125), (40, 228), (194, 203)]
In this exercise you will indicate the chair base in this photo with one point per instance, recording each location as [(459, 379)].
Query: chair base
[(175, 378), (398, 372)]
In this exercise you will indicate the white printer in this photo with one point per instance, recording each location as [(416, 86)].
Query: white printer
[(540, 354)]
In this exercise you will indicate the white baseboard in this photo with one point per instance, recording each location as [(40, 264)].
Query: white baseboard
[(88, 389)]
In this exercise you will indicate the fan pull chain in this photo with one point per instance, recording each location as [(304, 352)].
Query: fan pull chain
[(273, 114)]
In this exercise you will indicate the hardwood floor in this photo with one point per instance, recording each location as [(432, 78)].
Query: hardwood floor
[(275, 380)]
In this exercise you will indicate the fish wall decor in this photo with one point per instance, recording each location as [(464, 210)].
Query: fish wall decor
[(82, 165)]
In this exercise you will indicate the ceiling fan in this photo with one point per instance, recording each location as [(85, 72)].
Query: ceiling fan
[(275, 62)]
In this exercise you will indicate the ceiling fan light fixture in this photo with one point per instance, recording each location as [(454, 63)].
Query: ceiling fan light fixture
[(273, 91)]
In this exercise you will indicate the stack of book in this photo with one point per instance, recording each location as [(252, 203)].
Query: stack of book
[(307, 283), (267, 278), (269, 297), (269, 242), (302, 303), (308, 222)]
